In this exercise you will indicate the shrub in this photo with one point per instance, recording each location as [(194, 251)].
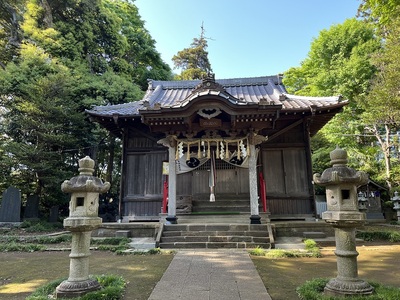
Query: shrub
[(310, 244), (112, 248), (257, 251), (312, 247), (312, 250), (110, 241), (112, 288), (38, 240), (313, 290), (154, 251), (392, 236), (7, 247), (39, 226)]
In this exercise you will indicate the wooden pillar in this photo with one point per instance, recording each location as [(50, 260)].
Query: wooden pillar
[(254, 139), (171, 218), (254, 211), (170, 142)]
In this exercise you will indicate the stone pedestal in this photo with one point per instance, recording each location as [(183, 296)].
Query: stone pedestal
[(347, 281), (78, 282)]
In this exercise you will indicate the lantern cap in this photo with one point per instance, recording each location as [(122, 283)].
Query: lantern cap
[(338, 157), (86, 166)]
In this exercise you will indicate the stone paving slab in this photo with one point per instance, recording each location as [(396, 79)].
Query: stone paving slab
[(211, 275)]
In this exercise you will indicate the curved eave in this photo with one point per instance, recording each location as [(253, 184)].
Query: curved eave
[(113, 123), (314, 107), (207, 100)]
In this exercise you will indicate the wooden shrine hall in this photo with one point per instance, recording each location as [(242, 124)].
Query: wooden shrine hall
[(226, 146)]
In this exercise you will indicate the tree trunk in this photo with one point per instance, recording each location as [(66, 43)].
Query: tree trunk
[(385, 146), (111, 156), (48, 17)]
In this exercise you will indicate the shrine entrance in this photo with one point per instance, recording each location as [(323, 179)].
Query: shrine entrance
[(219, 184), (220, 138)]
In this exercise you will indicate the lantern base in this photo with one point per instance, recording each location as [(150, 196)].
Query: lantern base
[(72, 289), (338, 287)]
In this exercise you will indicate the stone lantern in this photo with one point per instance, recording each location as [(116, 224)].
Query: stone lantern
[(343, 214), (362, 202), (396, 204), (83, 219)]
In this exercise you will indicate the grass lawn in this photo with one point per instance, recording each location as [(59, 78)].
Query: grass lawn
[(378, 263), (21, 272)]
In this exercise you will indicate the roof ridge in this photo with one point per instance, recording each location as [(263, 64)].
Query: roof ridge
[(224, 82)]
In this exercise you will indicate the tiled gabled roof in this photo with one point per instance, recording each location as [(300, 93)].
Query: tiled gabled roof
[(268, 90)]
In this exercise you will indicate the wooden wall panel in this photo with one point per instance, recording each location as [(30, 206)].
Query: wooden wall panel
[(285, 174), (296, 172), (153, 173), (142, 208), (135, 175), (274, 174), (243, 183), (226, 182), (289, 206), (143, 183), (200, 183), (184, 183)]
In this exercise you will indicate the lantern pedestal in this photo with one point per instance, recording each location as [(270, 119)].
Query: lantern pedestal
[(347, 281), (82, 220)]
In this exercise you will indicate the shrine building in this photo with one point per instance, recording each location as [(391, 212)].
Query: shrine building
[(227, 146)]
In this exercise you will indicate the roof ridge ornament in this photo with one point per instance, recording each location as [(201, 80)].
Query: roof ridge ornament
[(208, 83)]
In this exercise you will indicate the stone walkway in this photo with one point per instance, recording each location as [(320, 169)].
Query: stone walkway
[(211, 275)]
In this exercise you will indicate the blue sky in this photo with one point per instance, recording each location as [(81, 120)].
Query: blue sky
[(248, 38)]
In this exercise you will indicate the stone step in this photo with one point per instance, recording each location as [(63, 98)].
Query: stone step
[(314, 235), (204, 239), (214, 236), (254, 233), (210, 208), (214, 218), (216, 227), (213, 245)]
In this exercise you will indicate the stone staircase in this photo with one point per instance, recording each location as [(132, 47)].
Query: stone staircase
[(213, 236)]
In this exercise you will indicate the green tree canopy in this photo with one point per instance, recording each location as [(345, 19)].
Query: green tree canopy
[(194, 60), (381, 116), (71, 55), (338, 63), (380, 13)]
